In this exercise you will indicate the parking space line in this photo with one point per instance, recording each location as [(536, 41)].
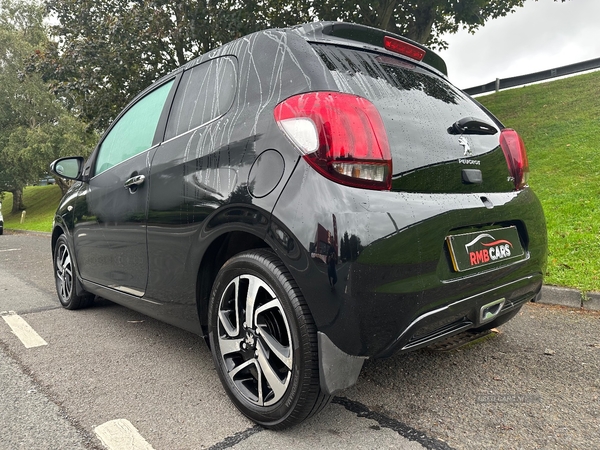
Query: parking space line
[(120, 434), (23, 330)]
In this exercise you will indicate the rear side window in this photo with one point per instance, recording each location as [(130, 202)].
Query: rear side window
[(417, 106), (204, 93), (134, 132)]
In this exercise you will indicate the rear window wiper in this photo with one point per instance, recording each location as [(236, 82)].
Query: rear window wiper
[(471, 125)]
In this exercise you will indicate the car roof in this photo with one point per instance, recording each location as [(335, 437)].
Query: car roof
[(335, 33), (352, 34), (342, 34)]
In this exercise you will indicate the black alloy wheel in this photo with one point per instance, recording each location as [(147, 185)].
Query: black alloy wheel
[(64, 277), (264, 341)]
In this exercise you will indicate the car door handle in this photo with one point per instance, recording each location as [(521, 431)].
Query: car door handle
[(135, 181)]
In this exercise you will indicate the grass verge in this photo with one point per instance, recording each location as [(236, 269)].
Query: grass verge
[(40, 203), (560, 124)]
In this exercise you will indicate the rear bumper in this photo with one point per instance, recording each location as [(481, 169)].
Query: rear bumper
[(396, 289), (339, 370), (462, 315)]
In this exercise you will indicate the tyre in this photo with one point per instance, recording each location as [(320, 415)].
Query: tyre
[(500, 320), (264, 342), (64, 277)]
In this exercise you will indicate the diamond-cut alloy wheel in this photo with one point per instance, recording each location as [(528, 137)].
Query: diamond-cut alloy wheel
[(64, 273), (263, 341), (64, 277), (254, 340)]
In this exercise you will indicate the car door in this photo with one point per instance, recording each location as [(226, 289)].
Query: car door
[(110, 232), (188, 183)]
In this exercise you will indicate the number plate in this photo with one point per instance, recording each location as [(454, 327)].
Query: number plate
[(473, 250)]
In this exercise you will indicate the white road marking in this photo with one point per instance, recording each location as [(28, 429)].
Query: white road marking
[(23, 330), (120, 434), (11, 250)]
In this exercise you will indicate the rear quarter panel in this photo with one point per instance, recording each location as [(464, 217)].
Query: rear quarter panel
[(396, 265)]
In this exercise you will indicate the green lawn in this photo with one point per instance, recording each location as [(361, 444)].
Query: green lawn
[(40, 203), (560, 124)]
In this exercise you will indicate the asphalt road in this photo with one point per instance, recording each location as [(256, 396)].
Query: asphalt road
[(535, 384)]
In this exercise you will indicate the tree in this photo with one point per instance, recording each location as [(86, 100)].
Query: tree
[(21, 29), (30, 149), (106, 51), (35, 128), (423, 21), (350, 247)]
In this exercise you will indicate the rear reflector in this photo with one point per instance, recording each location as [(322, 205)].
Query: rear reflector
[(516, 156), (403, 48), (340, 135)]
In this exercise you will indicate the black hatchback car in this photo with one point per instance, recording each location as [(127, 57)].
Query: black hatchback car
[(306, 198)]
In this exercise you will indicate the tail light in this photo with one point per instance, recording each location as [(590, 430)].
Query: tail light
[(516, 157), (340, 135)]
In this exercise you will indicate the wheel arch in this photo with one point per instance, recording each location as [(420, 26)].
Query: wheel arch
[(57, 231), (221, 249)]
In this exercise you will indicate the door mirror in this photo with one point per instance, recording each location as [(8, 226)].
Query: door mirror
[(69, 168)]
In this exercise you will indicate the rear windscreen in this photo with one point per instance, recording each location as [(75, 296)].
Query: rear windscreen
[(416, 105)]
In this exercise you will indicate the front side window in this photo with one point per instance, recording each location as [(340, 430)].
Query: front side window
[(204, 93), (134, 132)]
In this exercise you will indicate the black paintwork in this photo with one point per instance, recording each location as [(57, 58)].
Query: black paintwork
[(238, 183), (403, 269)]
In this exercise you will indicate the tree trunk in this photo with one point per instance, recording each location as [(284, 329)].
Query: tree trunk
[(385, 12), (424, 17), (17, 201)]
